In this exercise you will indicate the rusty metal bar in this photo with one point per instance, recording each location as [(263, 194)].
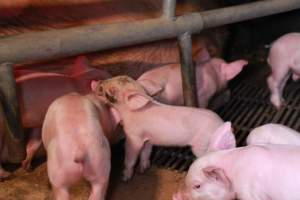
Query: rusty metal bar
[(67, 42), (14, 135), (169, 9), (187, 70)]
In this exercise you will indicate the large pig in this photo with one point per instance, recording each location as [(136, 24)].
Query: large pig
[(76, 145), (148, 122), (256, 172), (273, 134), (284, 59), (37, 90), (212, 76)]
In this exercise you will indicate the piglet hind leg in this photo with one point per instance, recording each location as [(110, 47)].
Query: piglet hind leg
[(132, 150), (96, 170), (145, 157), (98, 191), (295, 77), (62, 173), (197, 145), (60, 193), (276, 82), (34, 143)]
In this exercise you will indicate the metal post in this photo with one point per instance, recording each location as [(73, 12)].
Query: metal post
[(14, 135), (169, 9), (187, 70)]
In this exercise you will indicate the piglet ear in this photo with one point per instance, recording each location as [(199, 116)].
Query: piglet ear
[(136, 100), (222, 138), (201, 55), (94, 85), (152, 88), (230, 70), (218, 175)]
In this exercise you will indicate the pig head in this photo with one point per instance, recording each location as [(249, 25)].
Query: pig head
[(116, 92), (211, 182), (212, 76)]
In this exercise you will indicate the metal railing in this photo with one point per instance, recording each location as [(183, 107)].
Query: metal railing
[(68, 42)]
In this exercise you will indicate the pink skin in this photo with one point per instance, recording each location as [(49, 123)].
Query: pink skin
[(256, 172), (76, 145), (147, 122), (212, 76), (273, 134), (37, 90), (284, 58)]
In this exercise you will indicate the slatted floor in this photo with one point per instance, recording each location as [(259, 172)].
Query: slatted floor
[(248, 108)]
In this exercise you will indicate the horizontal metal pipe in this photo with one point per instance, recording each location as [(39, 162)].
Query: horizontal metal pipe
[(68, 42)]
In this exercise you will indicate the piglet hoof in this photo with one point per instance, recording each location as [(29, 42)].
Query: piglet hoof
[(127, 174), (277, 102), (4, 175), (144, 166), (295, 77), (26, 165)]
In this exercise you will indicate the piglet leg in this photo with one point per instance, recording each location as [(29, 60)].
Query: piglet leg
[(32, 146), (132, 150), (61, 193), (295, 77), (277, 80), (145, 157), (98, 191)]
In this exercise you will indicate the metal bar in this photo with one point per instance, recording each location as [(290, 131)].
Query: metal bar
[(169, 9), (187, 70), (14, 135), (67, 42)]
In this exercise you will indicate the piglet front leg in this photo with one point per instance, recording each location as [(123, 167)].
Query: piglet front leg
[(132, 150), (145, 157), (34, 143)]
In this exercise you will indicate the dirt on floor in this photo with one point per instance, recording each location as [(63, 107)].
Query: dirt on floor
[(154, 184)]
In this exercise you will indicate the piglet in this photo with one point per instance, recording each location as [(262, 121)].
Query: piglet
[(284, 59), (76, 145), (212, 76), (273, 134), (260, 172), (147, 122)]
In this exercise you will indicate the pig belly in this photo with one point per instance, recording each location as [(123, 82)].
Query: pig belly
[(178, 125)]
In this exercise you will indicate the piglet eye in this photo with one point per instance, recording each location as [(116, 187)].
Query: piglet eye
[(196, 186)]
